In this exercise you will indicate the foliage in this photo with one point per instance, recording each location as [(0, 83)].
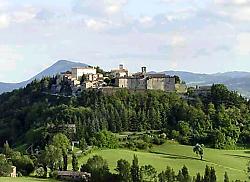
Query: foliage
[(39, 172), (75, 162), (167, 176), (219, 119), (226, 178), (148, 173), (52, 157), (123, 169), (98, 167), (5, 167), (60, 141), (135, 170), (105, 139), (23, 164), (198, 149)]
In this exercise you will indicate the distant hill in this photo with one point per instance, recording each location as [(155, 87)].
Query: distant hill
[(59, 66), (238, 81)]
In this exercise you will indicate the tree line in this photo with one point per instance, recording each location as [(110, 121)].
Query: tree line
[(31, 115)]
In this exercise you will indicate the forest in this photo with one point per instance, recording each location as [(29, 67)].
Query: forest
[(32, 115)]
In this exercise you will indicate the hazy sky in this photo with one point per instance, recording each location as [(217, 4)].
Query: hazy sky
[(193, 35)]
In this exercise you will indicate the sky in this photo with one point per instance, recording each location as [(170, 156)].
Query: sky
[(203, 36)]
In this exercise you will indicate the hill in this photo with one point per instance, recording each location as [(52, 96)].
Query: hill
[(175, 156), (59, 66), (238, 81)]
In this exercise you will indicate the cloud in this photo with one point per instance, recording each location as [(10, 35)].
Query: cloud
[(97, 25), (4, 21), (99, 8), (242, 46), (24, 15), (9, 58)]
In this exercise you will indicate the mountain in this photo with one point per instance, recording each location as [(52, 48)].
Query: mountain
[(238, 81), (59, 66)]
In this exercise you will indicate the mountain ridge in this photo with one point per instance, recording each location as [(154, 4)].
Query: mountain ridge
[(235, 80), (57, 67)]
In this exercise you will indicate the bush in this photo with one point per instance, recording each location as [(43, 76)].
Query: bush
[(53, 174), (5, 167), (40, 172), (105, 139), (98, 167), (23, 164), (158, 141)]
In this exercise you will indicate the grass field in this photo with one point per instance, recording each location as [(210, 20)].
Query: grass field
[(24, 179), (175, 156)]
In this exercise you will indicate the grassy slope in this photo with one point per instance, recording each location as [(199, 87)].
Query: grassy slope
[(174, 155), (24, 179)]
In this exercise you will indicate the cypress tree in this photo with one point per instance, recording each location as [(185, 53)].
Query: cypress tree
[(75, 162), (212, 175), (226, 178), (135, 171)]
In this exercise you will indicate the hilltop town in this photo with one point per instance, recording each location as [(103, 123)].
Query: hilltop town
[(84, 78)]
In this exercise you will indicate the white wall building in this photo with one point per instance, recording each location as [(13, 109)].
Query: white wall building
[(79, 71)]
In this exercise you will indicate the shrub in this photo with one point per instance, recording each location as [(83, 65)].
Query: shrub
[(40, 172)]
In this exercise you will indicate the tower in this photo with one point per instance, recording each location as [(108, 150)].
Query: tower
[(144, 70)]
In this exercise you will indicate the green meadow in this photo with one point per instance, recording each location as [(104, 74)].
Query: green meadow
[(175, 156)]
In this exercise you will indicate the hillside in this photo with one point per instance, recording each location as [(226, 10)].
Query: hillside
[(175, 156), (59, 66), (238, 81)]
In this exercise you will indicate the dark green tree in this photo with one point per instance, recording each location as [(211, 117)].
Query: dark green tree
[(75, 162), (198, 149), (135, 170), (213, 177), (123, 169), (226, 178), (148, 173), (198, 178), (98, 167)]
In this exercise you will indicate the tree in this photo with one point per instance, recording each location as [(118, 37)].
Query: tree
[(185, 174), (62, 142), (248, 170), (148, 173), (98, 167), (198, 178), (226, 178), (207, 174), (198, 149), (167, 176), (52, 157), (6, 149), (135, 172), (180, 177), (213, 177), (75, 162), (123, 169), (23, 163), (83, 144), (5, 167)]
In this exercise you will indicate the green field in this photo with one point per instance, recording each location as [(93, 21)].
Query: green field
[(175, 155), (24, 179)]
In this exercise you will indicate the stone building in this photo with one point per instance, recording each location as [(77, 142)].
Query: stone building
[(13, 172), (121, 72), (160, 82), (144, 81)]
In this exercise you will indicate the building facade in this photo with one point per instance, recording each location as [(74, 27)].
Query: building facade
[(78, 72)]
